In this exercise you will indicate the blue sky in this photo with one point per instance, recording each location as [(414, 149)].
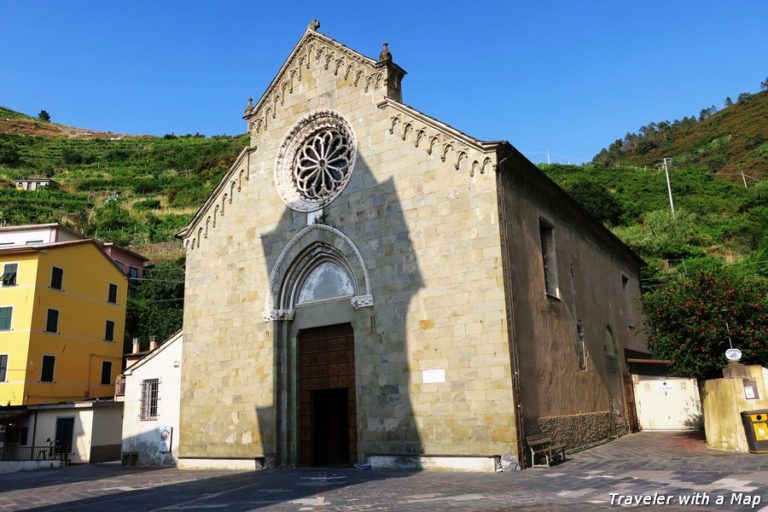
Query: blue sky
[(565, 76)]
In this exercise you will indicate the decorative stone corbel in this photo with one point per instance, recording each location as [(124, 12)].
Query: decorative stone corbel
[(362, 301)]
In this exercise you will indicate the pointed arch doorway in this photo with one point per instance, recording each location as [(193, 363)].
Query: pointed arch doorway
[(319, 298)]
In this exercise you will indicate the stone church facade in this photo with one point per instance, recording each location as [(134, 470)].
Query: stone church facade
[(369, 283)]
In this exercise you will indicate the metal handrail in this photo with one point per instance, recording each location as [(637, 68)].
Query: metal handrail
[(44, 452)]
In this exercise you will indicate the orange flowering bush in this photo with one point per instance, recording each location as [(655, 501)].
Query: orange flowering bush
[(689, 320)]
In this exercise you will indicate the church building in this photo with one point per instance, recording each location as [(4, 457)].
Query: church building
[(370, 284)]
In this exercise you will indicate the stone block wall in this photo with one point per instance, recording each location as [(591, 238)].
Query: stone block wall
[(421, 209), (597, 287)]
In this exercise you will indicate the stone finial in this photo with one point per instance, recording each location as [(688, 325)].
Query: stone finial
[(313, 25), (249, 106), (385, 54)]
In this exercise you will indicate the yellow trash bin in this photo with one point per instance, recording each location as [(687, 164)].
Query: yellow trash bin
[(756, 429)]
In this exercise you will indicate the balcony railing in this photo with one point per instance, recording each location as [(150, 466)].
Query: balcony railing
[(46, 452)]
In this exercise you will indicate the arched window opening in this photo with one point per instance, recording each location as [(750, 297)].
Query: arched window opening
[(325, 281)]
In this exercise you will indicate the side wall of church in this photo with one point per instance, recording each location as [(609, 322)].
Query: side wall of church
[(432, 369), (576, 400)]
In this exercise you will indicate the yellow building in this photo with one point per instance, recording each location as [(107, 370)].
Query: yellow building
[(62, 321)]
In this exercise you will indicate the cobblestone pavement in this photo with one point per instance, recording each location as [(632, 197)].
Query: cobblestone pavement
[(660, 468)]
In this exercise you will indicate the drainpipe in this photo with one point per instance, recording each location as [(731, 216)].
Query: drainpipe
[(510, 306), (34, 433)]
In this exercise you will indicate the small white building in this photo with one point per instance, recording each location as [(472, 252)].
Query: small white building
[(87, 431), (34, 183), (151, 418)]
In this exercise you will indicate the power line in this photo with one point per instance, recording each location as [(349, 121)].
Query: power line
[(158, 280)]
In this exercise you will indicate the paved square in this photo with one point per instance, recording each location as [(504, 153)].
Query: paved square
[(645, 471)]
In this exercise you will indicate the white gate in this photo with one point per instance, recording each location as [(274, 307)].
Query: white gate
[(667, 403)]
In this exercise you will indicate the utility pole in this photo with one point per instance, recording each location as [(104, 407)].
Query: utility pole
[(669, 188), (549, 161)]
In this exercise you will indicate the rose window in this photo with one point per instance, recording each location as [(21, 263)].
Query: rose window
[(315, 161), (322, 164)]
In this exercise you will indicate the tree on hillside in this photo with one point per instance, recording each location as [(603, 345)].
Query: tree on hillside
[(44, 116), (156, 304), (728, 102), (764, 84), (598, 200), (691, 318)]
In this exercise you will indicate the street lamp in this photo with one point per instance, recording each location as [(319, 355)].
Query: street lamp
[(732, 354)]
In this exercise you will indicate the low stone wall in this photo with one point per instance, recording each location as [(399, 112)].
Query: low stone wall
[(576, 430), (432, 463), (14, 466), (221, 464)]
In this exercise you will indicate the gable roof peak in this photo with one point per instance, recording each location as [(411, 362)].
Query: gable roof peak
[(315, 48)]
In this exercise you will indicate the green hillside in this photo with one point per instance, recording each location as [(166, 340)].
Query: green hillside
[(716, 219), (6, 113), (136, 191), (728, 141)]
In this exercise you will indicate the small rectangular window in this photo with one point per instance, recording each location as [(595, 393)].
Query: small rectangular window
[(46, 375), (120, 264), (133, 272), (23, 436), (33, 242), (6, 315), (52, 322), (109, 331), (547, 235), (149, 398), (106, 372), (112, 293), (3, 367), (9, 274), (57, 278)]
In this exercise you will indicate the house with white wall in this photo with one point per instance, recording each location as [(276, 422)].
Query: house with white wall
[(82, 432), (151, 419)]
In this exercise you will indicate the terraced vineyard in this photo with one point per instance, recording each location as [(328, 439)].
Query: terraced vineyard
[(133, 191)]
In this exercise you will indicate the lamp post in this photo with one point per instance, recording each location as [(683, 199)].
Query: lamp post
[(733, 355)]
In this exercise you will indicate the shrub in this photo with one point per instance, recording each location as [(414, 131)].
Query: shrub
[(9, 155), (691, 319), (147, 204), (597, 199)]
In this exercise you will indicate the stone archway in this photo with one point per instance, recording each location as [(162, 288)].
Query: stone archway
[(309, 244), (318, 282)]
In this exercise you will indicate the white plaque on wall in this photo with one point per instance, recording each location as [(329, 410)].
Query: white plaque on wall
[(433, 375)]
